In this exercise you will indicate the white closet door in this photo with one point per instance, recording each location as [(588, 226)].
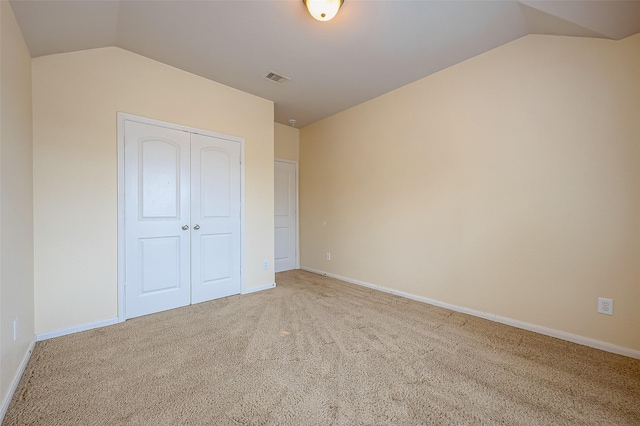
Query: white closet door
[(157, 192), (215, 216), (285, 216)]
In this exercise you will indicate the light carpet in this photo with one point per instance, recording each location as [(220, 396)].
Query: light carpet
[(318, 351)]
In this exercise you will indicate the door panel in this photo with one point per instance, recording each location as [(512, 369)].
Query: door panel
[(215, 183), (282, 247), (157, 188), (217, 249), (159, 179), (285, 234), (156, 276), (215, 215)]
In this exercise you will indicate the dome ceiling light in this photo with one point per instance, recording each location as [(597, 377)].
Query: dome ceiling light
[(323, 10)]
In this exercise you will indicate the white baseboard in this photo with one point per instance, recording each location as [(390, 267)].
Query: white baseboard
[(254, 289), (98, 324), (16, 379), (70, 330), (563, 335)]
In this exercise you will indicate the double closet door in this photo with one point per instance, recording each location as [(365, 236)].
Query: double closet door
[(182, 218)]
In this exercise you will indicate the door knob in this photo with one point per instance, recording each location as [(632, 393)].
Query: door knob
[(196, 227), (185, 227)]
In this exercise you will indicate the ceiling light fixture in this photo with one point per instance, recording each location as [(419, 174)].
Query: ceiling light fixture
[(323, 10)]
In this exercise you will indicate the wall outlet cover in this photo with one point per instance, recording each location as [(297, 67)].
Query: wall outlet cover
[(605, 306)]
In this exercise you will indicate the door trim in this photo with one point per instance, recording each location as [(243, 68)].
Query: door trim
[(282, 160), (121, 235)]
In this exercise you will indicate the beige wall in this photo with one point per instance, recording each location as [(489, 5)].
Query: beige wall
[(16, 199), (75, 98), (508, 184), (287, 142)]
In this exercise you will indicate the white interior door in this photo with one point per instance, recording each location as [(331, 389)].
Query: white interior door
[(215, 215), (286, 201), (157, 188), (182, 218)]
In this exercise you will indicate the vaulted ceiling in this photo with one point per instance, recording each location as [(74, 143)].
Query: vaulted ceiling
[(370, 48)]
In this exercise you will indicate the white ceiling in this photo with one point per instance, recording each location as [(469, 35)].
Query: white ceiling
[(370, 48)]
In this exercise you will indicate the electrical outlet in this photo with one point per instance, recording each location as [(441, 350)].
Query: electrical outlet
[(265, 265), (605, 306), (328, 256)]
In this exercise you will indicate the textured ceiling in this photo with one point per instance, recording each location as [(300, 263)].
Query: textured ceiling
[(370, 48)]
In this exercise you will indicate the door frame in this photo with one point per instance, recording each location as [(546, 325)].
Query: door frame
[(283, 160), (121, 119)]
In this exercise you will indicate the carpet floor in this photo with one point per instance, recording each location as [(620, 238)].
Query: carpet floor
[(318, 351)]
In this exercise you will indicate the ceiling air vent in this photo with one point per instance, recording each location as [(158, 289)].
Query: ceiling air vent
[(280, 79)]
